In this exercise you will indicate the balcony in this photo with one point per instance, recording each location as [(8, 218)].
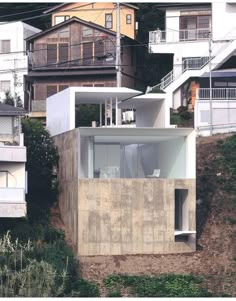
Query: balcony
[(174, 36), (9, 153), (216, 94), (12, 195), (12, 202)]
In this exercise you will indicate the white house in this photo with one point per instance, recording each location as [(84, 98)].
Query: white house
[(13, 57), (202, 38), (124, 190), (13, 183)]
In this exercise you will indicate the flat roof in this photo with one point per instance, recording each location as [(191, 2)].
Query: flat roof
[(97, 95), (141, 100), (140, 131)]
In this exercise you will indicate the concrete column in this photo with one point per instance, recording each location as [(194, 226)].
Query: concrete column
[(90, 157)]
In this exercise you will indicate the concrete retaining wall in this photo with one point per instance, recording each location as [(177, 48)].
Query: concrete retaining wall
[(132, 216)]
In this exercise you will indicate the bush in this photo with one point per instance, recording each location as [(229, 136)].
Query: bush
[(162, 286), (84, 288), (182, 109), (185, 115)]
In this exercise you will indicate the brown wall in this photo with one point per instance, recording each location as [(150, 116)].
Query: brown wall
[(40, 86)]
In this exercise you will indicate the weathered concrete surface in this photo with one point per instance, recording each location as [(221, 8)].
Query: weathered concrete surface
[(67, 144), (119, 216), (132, 216)]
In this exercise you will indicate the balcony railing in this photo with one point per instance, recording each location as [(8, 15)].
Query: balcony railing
[(216, 93), (172, 36)]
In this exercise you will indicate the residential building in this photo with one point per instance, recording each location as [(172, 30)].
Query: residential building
[(13, 179), (75, 53), (13, 58), (102, 14), (201, 37), (124, 190)]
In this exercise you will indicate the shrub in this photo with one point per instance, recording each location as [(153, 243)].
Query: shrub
[(182, 109), (84, 288), (185, 115), (162, 286)]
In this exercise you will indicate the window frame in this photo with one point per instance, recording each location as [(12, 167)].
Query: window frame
[(128, 19), (66, 17), (4, 91), (1, 45), (110, 21)]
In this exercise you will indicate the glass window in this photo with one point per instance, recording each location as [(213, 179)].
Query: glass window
[(108, 21), (5, 46), (63, 87), (220, 84), (128, 19), (60, 19), (5, 85)]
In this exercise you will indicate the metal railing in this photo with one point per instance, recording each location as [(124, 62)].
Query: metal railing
[(217, 93), (172, 36), (194, 63)]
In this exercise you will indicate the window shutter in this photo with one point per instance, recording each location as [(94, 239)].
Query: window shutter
[(88, 52), (51, 89), (63, 87), (63, 53), (51, 53)]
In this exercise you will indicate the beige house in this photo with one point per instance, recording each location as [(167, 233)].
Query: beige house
[(100, 13)]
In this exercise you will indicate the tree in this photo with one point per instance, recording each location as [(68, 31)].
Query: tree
[(9, 100), (42, 158)]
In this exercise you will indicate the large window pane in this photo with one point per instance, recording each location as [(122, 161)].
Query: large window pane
[(51, 53)]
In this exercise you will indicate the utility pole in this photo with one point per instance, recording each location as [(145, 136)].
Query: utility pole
[(118, 65), (118, 62), (210, 85)]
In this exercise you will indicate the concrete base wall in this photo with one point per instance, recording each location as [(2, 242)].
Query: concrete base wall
[(120, 216), (132, 216)]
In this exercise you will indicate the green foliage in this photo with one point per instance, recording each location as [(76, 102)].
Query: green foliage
[(227, 163), (9, 100), (84, 288), (162, 286), (114, 293), (42, 158), (86, 114), (185, 115)]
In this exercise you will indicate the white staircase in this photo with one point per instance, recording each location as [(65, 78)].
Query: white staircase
[(196, 67)]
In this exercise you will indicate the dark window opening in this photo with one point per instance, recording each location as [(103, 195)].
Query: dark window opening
[(51, 90), (180, 209), (51, 53)]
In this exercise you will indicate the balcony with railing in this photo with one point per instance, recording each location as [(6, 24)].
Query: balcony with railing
[(220, 94), (175, 36)]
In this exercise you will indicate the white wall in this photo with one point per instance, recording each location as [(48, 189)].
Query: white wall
[(61, 112), (172, 158), (16, 175), (151, 115), (16, 60), (223, 115)]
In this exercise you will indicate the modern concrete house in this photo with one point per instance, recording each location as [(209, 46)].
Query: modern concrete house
[(201, 36), (124, 190), (13, 180), (13, 58)]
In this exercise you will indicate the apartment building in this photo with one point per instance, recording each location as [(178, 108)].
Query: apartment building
[(202, 38), (13, 179), (13, 58)]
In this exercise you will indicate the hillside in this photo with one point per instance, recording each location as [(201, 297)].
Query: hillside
[(215, 258)]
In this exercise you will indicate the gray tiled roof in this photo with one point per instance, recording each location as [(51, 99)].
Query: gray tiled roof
[(7, 110)]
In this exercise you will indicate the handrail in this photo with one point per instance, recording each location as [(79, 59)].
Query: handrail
[(216, 93)]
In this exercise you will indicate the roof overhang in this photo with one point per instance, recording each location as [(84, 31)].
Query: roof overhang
[(98, 95), (139, 101)]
